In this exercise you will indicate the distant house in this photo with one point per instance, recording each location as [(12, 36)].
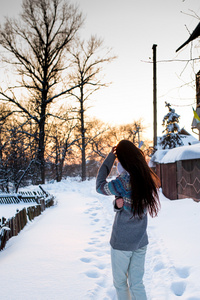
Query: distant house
[(179, 170)]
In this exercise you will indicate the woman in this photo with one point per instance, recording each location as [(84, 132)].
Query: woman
[(136, 194)]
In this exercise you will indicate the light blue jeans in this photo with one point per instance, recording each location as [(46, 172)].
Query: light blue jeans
[(128, 271)]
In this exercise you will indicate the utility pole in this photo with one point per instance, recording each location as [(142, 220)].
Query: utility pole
[(154, 97)]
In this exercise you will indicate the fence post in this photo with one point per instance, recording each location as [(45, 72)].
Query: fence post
[(4, 235)]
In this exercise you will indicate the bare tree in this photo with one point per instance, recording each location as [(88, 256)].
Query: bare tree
[(13, 149), (38, 44), (61, 139), (88, 59), (113, 134)]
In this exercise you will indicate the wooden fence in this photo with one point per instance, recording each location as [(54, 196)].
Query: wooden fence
[(14, 225), (24, 196)]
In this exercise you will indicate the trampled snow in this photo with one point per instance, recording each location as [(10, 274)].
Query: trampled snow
[(65, 254)]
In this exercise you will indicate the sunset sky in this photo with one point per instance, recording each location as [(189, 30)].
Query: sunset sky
[(131, 27)]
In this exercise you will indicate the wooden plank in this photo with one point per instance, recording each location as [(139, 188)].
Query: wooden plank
[(169, 186)]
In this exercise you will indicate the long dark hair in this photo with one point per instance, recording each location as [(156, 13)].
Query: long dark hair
[(144, 182)]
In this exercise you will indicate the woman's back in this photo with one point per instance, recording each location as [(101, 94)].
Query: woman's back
[(128, 233)]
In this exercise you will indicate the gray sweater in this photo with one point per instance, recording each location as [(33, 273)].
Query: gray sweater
[(128, 232)]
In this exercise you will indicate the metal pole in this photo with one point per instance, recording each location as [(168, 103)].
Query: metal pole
[(154, 97)]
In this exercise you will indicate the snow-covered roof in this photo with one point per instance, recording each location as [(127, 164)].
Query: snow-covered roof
[(180, 153), (158, 156), (188, 139)]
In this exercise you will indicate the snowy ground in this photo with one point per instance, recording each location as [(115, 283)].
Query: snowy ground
[(65, 254)]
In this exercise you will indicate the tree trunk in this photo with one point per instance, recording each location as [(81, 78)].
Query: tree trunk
[(82, 137), (42, 143)]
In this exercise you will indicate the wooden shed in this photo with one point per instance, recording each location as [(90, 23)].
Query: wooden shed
[(179, 171)]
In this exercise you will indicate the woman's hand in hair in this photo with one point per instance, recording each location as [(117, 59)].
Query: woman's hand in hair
[(119, 202), (114, 150)]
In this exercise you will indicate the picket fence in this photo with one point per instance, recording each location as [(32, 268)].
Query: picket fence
[(12, 226)]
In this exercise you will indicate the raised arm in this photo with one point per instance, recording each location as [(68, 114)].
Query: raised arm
[(104, 171)]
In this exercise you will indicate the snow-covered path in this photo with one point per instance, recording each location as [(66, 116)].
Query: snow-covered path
[(65, 254)]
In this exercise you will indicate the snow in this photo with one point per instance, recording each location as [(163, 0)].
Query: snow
[(172, 128), (176, 154), (65, 254), (9, 210), (186, 140)]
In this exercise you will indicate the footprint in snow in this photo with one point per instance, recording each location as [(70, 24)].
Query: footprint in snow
[(178, 288), (99, 254), (91, 243), (100, 231), (86, 259), (94, 214), (101, 282), (89, 210), (100, 266), (159, 266), (95, 240), (183, 272), (90, 249), (92, 274), (96, 220)]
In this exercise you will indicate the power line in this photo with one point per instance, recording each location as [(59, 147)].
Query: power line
[(184, 104), (172, 60)]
